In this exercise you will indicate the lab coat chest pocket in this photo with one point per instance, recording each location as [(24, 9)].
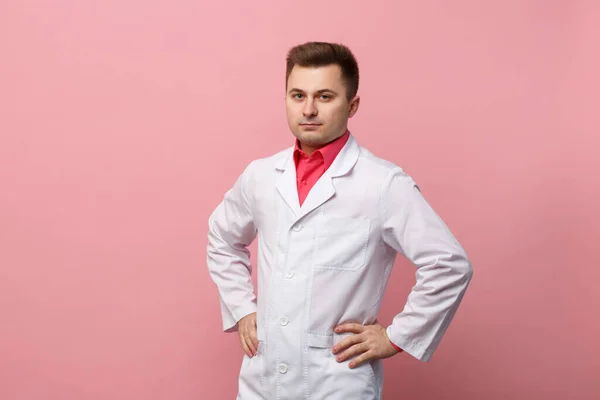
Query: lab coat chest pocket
[(341, 243)]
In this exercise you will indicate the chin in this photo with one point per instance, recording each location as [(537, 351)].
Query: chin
[(311, 138)]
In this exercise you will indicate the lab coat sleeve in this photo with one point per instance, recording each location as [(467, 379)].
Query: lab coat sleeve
[(231, 231), (413, 229)]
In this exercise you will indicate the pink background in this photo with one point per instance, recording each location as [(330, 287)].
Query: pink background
[(123, 122)]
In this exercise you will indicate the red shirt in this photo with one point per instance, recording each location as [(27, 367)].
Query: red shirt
[(310, 168)]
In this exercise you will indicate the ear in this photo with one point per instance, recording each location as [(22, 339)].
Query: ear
[(354, 106)]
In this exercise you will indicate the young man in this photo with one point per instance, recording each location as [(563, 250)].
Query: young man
[(330, 218)]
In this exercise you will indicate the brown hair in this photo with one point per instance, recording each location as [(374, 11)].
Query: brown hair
[(321, 54)]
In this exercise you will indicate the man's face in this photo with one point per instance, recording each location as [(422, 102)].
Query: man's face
[(316, 104)]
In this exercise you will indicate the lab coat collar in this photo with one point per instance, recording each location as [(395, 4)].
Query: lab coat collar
[(323, 189), (342, 164)]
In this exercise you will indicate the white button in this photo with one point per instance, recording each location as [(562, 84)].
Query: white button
[(284, 321), (297, 228), (289, 274), (282, 368)]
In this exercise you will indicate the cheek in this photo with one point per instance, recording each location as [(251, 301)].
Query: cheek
[(293, 116), (336, 115), (293, 106), (290, 111)]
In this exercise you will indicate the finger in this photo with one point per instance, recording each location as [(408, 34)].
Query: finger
[(346, 342), (245, 346), (250, 344), (360, 359), (350, 327), (355, 350), (254, 338)]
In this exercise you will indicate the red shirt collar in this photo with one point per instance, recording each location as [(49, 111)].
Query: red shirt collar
[(328, 152)]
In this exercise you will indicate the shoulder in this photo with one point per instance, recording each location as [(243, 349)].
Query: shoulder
[(259, 168), (382, 170), (273, 161)]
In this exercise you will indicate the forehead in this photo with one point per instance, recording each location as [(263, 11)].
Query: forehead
[(312, 79)]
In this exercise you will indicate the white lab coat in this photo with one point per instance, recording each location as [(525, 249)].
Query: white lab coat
[(328, 262)]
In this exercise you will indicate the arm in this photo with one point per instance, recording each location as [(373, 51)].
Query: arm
[(412, 228), (231, 230)]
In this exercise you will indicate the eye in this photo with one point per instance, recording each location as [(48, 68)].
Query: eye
[(325, 97), (297, 96)]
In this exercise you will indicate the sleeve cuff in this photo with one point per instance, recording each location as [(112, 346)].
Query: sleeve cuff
[(394, 346), (230, 320), (415, 349)]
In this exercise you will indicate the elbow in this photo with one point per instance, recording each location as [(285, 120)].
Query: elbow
[(457, 264), (467, 270), (460, 267)]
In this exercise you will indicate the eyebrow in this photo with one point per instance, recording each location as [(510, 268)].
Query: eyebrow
[(317, 92)]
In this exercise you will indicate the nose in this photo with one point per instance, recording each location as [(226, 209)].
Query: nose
[(309, 109)]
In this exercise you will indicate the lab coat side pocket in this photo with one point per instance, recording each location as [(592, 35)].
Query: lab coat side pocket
[(252, 380), (260, 357), (328, 378), (370, 364), (318, 382)]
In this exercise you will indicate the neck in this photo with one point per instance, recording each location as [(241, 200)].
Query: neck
[(308, 150)]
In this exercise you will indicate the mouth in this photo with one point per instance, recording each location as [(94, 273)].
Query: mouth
[(310, 125)]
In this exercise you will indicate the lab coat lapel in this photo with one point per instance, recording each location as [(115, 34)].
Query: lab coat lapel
[(286, 182), (323, 189)]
